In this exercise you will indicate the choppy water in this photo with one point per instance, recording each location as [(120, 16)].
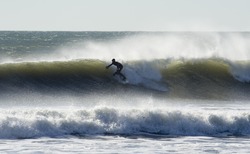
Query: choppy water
[(185, 92)]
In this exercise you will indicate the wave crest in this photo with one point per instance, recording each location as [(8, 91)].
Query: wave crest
[(101, 121)]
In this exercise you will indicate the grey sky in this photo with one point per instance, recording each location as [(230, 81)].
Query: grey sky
[(125, 15)]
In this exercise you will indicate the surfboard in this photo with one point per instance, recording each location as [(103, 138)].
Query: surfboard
[(119, 79)]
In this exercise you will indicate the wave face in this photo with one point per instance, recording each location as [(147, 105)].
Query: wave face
[(74, 75), (20, 123), (208, 78), (199, 78)]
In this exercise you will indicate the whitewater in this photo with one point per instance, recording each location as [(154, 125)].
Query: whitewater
[(186, 92)]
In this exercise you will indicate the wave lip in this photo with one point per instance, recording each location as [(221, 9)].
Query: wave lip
[(110, 121)]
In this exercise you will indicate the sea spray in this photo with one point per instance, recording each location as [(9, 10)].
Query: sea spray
[(126, 46), (149, 46)]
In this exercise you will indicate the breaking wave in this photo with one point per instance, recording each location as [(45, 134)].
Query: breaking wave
[(33, 123), (209, 78)]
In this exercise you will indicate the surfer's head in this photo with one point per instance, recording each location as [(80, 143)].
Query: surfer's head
[(113, 60)]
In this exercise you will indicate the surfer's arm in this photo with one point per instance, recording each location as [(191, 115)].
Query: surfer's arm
[(109, 65)]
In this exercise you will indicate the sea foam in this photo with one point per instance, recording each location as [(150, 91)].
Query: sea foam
[(27, 123)]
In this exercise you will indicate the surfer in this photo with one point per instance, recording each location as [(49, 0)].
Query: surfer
[(119, 68)]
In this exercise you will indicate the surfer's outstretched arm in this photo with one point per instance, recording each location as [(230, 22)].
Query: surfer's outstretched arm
[(109, 65)]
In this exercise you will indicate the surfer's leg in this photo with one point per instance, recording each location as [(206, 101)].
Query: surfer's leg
[(115, 73), (120, 68), (123, 77), (118, 71)]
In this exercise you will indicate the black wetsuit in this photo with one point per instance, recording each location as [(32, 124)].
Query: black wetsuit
[(119, 69)]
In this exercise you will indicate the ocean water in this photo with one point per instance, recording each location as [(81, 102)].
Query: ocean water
[(186, 92)]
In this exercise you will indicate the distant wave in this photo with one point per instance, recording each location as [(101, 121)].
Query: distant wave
[(33, 123), (200, 78)]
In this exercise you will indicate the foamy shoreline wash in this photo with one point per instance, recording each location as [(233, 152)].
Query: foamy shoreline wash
[(56, 95), (107, 144), (142, 142)]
